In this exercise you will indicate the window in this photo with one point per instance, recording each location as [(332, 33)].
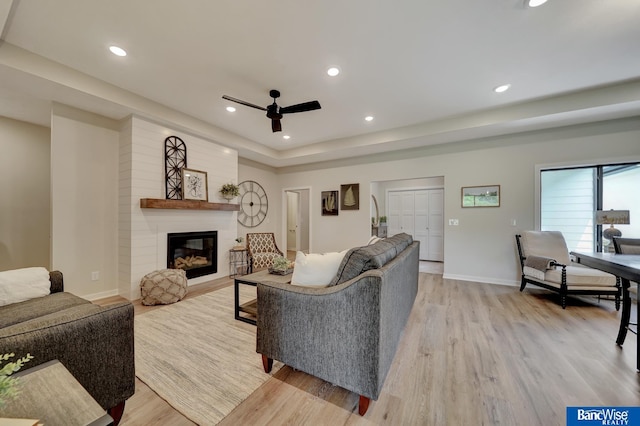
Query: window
[(569, 198)]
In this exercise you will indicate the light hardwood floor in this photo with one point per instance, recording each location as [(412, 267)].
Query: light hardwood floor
[(471, 354)]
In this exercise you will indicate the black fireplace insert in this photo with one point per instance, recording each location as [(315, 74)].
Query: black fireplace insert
[(195, 252)]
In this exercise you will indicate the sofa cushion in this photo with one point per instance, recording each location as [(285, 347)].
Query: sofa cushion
[(23, 284), (578, 276), (401, 241), (316, 270), (40, 306), (64, 316)]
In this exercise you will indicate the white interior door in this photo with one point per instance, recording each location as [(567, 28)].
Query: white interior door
[(407, 224), (422, 222), (394, 216), (419, 213), (296, 222), (436, 225)]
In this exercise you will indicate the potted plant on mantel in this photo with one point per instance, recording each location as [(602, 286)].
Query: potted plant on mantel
[(229, 191)]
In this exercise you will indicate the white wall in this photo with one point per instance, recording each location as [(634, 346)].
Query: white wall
[(482, 247), (266, 177), (84, 194), (143, 232), (25, 195)]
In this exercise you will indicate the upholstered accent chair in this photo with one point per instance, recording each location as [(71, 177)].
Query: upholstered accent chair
[(262, 250), (545, 262), (628, 246)]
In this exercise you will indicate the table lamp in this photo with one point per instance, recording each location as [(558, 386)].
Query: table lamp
[(612, 217)]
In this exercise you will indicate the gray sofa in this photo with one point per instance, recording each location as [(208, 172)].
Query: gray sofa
[(95, 343), (347, 333)]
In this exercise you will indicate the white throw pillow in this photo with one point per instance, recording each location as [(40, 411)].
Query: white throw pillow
[(23, 284), (316, 270), (374, 239)]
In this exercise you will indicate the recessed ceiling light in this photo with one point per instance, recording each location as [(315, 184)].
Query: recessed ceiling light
[(502, 88), (369, 118), (231, 109), (535, 3), (333, 71), (119, 51), (286, 137)]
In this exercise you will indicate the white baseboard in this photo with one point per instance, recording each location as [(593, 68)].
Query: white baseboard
[(484, 280), (102, 295)]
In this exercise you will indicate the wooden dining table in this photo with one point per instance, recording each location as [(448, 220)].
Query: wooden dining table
[(627, 268)]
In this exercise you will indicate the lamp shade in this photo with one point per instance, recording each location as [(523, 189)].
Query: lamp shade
[(612, 217)]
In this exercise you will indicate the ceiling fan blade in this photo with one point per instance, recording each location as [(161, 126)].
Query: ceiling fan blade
[(241, 102), (305, 106), (276, 126)]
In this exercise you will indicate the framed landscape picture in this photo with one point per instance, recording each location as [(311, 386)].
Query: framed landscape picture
[(481, 196), (194, 185)]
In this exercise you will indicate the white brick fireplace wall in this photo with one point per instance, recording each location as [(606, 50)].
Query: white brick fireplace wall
[(143, 232)]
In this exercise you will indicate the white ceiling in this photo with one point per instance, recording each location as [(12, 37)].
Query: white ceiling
[(424, 69)]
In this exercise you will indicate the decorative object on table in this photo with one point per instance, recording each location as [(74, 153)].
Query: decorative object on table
[(481, 196), (612, 217), (9, 385), (281, 266), (239, 241), (175, 159), (229, 191), (350, 196), (254, 204), (329, 203), (194, 185)]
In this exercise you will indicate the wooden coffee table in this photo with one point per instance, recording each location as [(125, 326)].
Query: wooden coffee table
[(52, 395), (251, 307)]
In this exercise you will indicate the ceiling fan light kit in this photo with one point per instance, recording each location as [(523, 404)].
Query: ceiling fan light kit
[(274, 111), (535, 3)]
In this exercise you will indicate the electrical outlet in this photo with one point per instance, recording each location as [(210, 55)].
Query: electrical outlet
[(453, 222), (95, 276)]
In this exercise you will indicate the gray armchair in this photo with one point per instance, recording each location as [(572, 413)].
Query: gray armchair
[(545, 262), (95, 343)]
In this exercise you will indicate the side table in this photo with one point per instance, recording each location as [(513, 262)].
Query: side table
[(52, 395), (238, 262), (251, 307)]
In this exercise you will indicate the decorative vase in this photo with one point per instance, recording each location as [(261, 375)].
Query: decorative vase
[(228, 197)]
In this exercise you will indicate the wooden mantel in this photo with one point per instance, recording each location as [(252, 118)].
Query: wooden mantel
[(158, 203)]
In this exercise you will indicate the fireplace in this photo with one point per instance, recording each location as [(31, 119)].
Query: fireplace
[(195, 252)]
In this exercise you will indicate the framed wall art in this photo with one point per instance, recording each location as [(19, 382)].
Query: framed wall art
[(194, 185), (350, 196), (481, 196), (329, 203)]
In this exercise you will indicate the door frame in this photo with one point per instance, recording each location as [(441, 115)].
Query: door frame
[(285, 211)]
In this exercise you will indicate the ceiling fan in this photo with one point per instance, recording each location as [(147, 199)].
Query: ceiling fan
[(274, 112)]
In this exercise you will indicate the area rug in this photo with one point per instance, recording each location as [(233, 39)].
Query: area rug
[(197, 357)]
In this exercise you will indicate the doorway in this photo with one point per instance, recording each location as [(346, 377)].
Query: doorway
[(297, 220), (415, 206)]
